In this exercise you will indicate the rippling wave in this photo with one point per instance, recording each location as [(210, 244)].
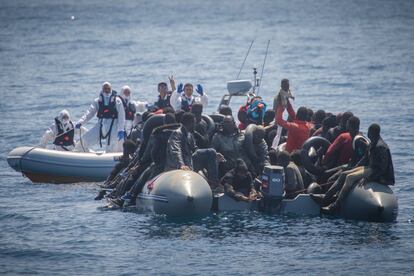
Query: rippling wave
[(339, 55)]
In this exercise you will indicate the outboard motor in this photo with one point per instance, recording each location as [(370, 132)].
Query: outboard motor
[(272, 187)]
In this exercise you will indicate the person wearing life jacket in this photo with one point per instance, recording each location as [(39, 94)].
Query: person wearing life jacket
[(164, 97), (256, 111), (109, 131), (130, 109), (61, 132), (183, 97)]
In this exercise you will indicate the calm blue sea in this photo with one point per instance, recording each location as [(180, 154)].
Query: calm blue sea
[(339, 55)]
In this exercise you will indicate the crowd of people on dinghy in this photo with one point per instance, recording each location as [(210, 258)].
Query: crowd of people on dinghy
[(174, 133)]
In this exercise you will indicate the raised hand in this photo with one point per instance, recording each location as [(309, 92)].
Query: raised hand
[(172, 82), (199, 90)]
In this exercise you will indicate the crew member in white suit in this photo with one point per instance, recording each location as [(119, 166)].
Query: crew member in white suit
[(109, 131), (183, 98), (61, 132)]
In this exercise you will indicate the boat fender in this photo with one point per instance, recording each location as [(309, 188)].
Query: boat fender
[(217, 118), (319, 144), (314, 188), (248, 141), (211, 126), (360, 139)]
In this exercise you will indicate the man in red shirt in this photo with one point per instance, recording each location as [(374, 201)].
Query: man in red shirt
[(340, 151), (298, 129)]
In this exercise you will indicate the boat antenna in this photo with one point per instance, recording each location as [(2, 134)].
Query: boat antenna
[(263, 66), (247, 54), (255, 80)]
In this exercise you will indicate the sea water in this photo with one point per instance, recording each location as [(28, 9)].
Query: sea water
[(338, 55)]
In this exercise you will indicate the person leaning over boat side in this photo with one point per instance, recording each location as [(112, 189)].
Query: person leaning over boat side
[(164, 96), (151, 164), (111, 122), (182, 153), (183, 97), (129, 148), (238, 183), (228, 141), (61, 132), (377, 167), (298, 130)]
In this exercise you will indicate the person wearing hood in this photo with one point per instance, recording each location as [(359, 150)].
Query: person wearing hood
[(61, 132), (130, 109), (183, 98), (109, 131)]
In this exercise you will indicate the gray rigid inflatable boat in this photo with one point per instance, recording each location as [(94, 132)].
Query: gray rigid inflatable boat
[(51, 166), (181, 193), (370, 202)]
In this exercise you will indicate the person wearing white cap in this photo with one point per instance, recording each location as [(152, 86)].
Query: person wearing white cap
[(109, 130), (61, 132)]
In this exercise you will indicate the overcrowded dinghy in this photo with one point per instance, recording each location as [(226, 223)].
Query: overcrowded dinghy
[(181, 193)]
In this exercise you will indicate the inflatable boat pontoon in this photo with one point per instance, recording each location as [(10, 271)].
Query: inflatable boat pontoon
[(51, 166)]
